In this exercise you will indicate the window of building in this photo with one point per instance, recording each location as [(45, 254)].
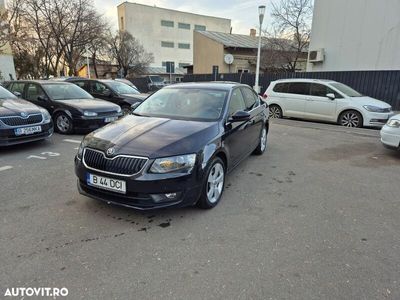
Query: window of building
[(184, 26), (167, 23), (163, 63), (167, 44), (200, 27), (122, 23), (243, 71), (183, 46)]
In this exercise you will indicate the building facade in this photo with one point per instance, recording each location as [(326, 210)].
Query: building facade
[(355, 35), (7, 69), (166, 33)]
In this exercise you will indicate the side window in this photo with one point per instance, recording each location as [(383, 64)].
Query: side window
[(81, 84), (330, 91), (237, 102), (34, 91), (281, 87), (250, 98), (318, 90), (17, 87), (299, 88), (98, 87)]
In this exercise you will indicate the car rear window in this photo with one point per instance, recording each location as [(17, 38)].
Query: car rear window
[(281, 88), (299, 88)]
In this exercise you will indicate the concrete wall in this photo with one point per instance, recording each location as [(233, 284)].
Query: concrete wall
[(6, 58), (356, 34), (144, 23)]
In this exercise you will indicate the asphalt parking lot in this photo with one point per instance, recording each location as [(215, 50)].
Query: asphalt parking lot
[(315, 217)]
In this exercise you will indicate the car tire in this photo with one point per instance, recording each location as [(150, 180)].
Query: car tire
[(63, 123), (262, 146), (275, 112), (214, 184), (351, 118), (126, 110)]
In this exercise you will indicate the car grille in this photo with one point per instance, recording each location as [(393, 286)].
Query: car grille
[(18, 121), (119, 165), (106, 113)]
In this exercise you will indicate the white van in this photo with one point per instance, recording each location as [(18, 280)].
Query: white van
[(325, 100)]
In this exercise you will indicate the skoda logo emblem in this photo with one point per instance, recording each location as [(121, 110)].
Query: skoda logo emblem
[(24, 114), (110, 151)]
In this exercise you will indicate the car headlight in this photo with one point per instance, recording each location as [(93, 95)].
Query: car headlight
[(393, 123), (89, 113), (174, 164), (119, 110), (373, 108), (46, 115), (80, 151)]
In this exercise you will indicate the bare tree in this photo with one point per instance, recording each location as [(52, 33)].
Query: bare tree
[(128, 53), (289, 35)]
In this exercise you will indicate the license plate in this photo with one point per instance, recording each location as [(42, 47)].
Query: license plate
[(27, 130), (110, 119), (106, 183)]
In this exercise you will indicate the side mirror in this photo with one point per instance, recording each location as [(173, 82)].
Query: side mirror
[(42, 98), (18, 94), (331, 96), (135, 105), (240, 116)]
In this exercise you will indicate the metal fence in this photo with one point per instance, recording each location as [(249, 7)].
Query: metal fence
[(382, 85)]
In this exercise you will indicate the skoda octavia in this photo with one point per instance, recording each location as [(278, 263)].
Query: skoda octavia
[(22, 121), (176, 148)]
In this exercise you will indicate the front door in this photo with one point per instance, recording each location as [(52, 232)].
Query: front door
[(318, 105), (35, 94)]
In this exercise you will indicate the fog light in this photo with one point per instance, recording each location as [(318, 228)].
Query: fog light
[(171, 195)]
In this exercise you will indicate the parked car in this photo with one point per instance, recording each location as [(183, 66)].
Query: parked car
[(111, 90), (176, 149), (71, 108), (325, 100), (390, 133), (22, 121)]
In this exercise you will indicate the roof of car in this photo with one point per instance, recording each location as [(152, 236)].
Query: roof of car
[(222, 85), (304, 80), (40, 81)]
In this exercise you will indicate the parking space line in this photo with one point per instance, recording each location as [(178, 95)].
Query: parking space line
[(72, 141), (5, 168)]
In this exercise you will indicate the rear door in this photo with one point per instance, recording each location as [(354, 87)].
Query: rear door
[(295, 99), (318, 105)]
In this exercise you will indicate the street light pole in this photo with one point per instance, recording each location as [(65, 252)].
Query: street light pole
[(261, 12)]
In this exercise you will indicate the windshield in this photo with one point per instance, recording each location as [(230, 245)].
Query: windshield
[(122, 88), (4, 94), (184, 103), (348, 91), (156, 79), (64, 91)]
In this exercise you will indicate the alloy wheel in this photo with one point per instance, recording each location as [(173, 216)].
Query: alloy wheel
[(215, 183), (350, 119), (274, 112), (63, 123), (263, 140)]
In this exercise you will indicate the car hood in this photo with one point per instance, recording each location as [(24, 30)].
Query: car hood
[(152, 137), (95, 105), (11, 107), (365, 100)]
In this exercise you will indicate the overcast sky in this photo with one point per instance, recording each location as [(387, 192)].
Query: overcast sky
[(243, 13)]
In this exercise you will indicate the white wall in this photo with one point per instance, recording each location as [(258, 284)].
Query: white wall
[(144, 23), (356, 34)]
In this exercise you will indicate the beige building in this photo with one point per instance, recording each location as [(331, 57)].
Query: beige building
[(167, 33), (218, 48), (7, 69)]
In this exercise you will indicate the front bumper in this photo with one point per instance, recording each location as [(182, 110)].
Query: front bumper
[(372, 119), (390, 137), (91, 123), (144, 191), (8, 137)]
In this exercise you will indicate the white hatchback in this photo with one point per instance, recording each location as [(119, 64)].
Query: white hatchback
[(325, 100), (390, 133)]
